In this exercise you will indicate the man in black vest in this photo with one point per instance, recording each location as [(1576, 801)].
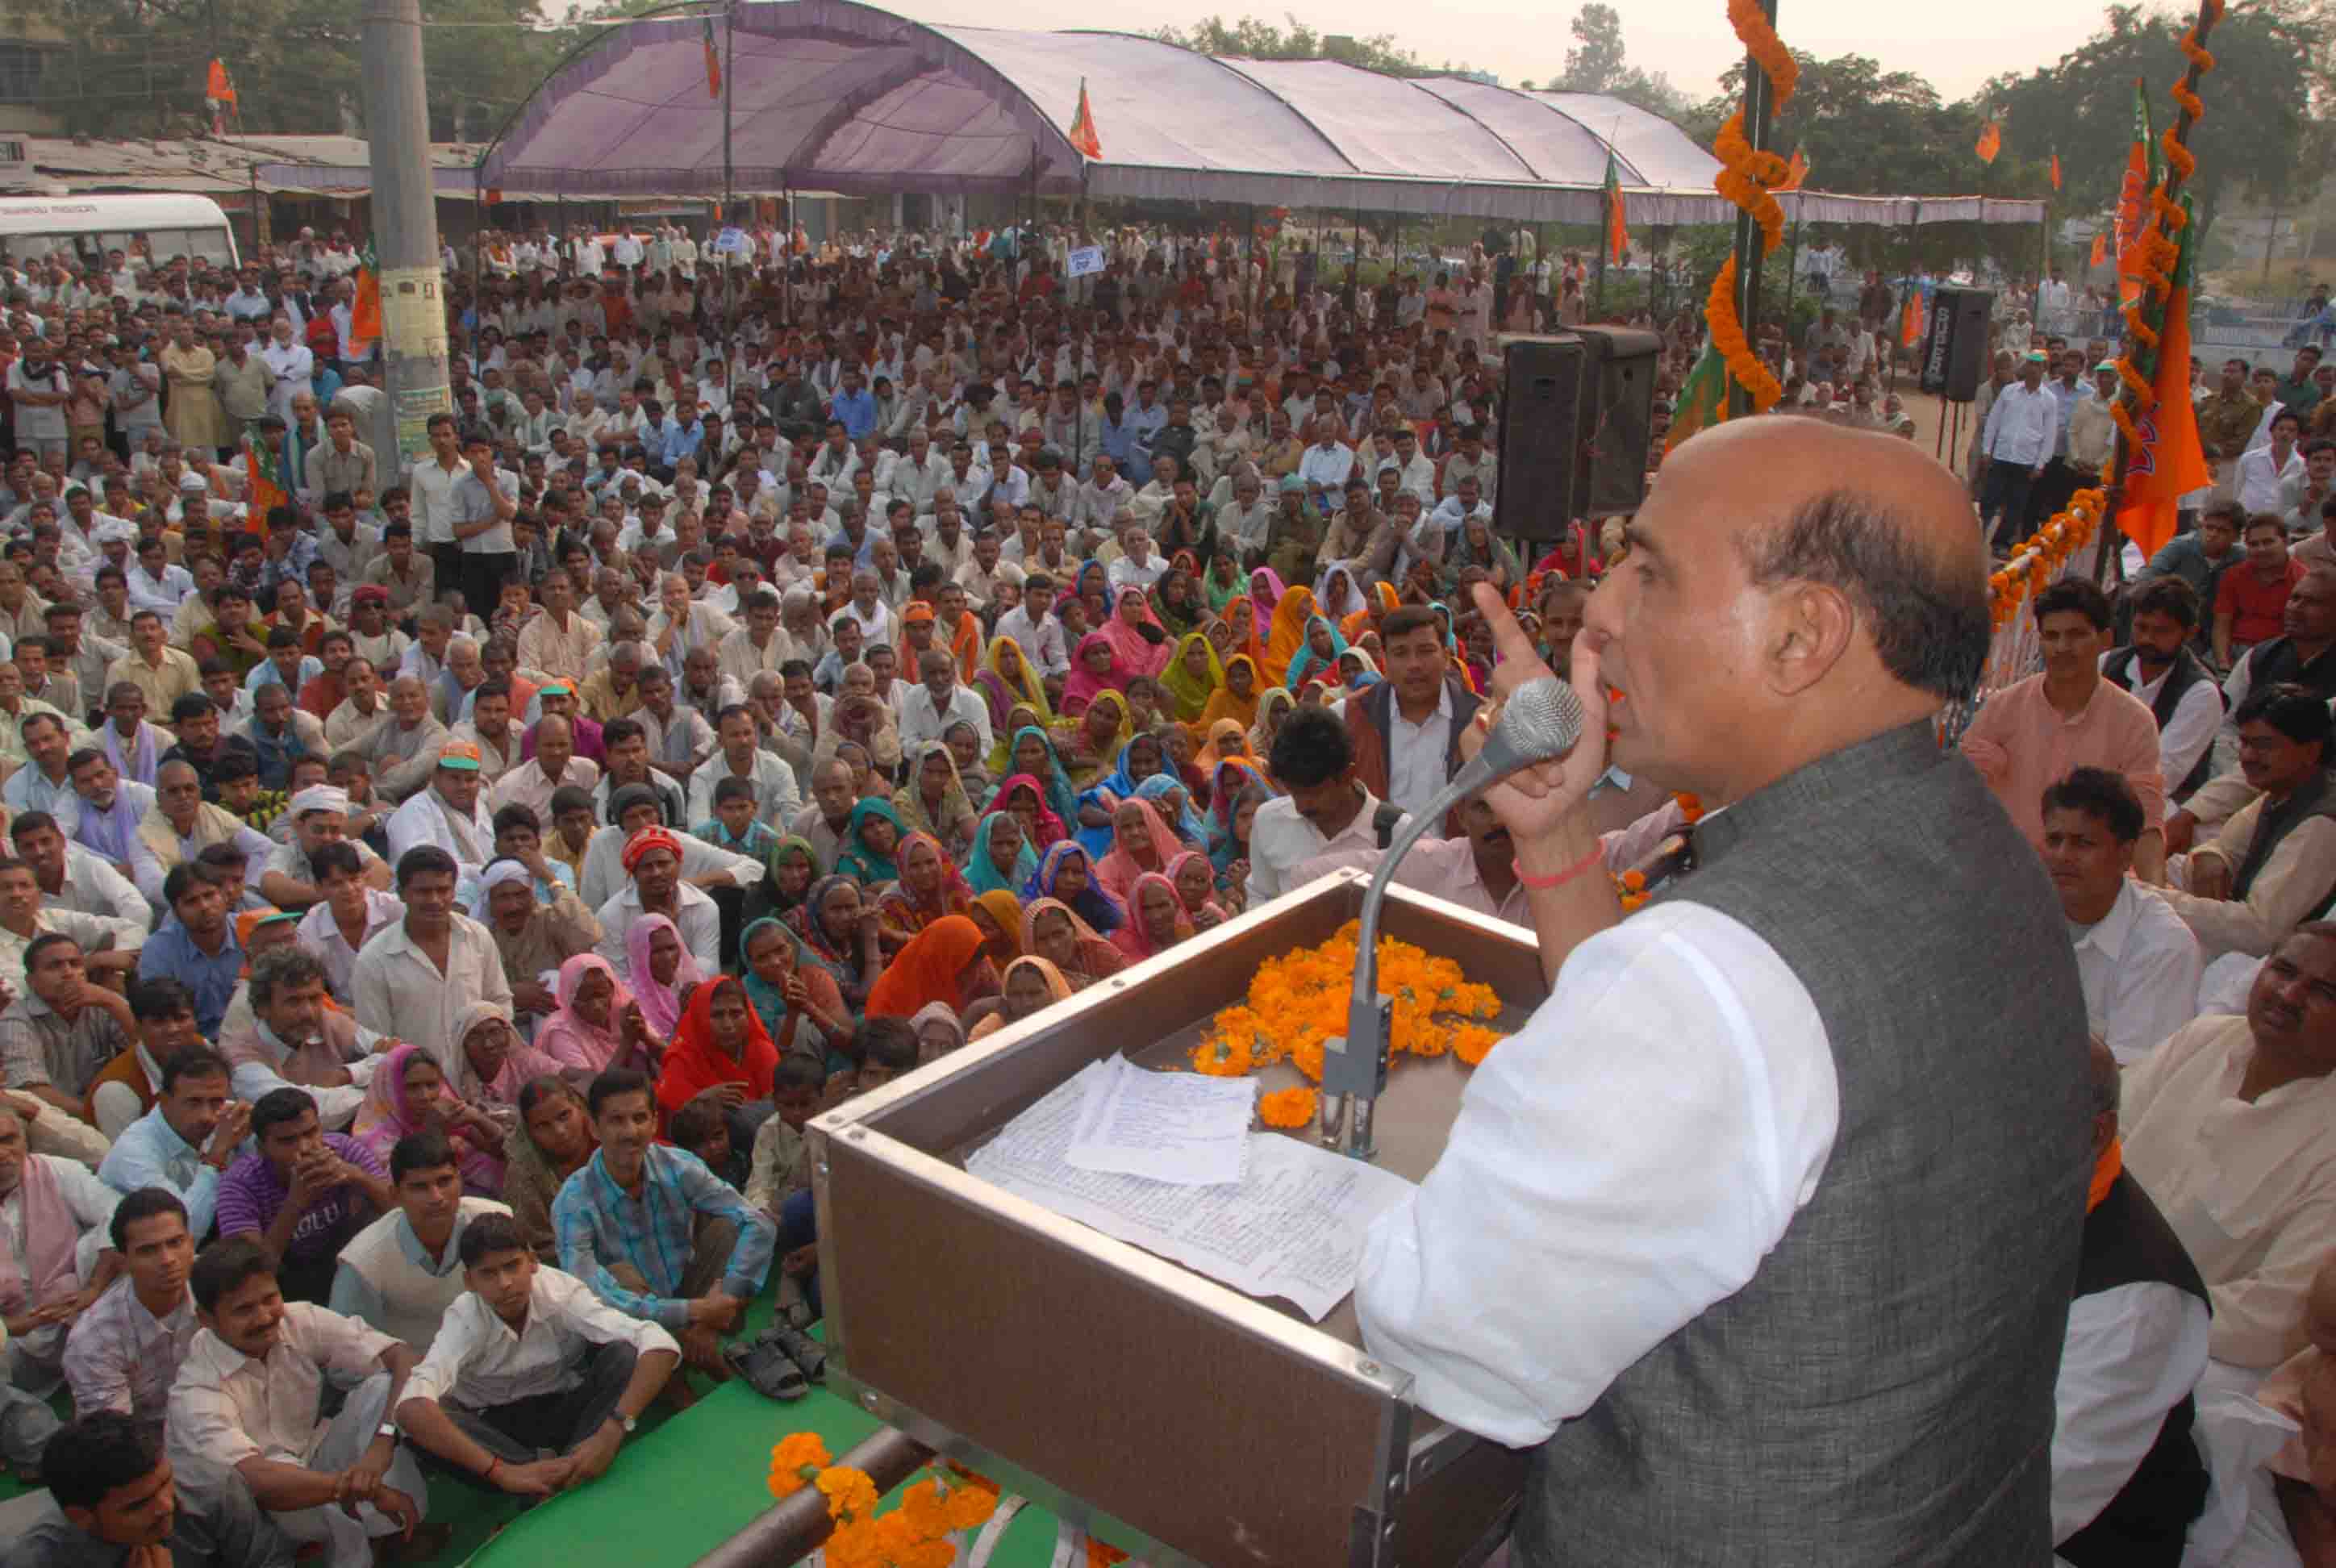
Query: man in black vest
[(1761, 1232), (2272, 865), (2158, 667), (2126, 1477), (2300, 653)]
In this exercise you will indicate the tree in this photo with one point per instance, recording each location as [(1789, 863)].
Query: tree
[(1865, 130), (1595, 62), (1597, 65), (140, 66), (1253, 39), (2260, 132)]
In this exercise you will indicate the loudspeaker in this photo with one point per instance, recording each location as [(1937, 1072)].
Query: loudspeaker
[(1575, 412), (1541, 391), (1954, 342)]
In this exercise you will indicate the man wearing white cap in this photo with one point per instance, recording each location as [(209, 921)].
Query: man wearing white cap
[(448, 814), (321, 816)]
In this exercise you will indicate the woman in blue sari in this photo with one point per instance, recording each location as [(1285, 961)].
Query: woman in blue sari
[(1067, 873), (982, 872), (1144, 757), (1168, 796), (1318, 656), (1032, 751)]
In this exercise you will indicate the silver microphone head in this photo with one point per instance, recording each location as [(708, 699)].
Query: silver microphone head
[(1541, 720)]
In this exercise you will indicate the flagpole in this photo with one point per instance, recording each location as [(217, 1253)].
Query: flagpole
[(1759, 98), (2144, 355)]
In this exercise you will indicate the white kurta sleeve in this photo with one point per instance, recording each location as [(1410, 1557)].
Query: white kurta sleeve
[(1556, 1242)]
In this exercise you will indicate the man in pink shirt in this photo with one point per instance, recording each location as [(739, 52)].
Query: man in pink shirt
[(2029, 735)]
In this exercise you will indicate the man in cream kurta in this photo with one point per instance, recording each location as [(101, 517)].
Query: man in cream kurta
[(2229, 1125)]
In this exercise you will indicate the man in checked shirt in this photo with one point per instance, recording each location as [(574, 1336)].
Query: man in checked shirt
[(625, 1223)]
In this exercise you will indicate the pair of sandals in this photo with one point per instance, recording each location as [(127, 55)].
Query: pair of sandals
[(780, 1363)]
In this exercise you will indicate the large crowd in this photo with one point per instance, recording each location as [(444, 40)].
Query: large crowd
[(443, 891)]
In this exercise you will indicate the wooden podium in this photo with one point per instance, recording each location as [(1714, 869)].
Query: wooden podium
[(1172, 1416)]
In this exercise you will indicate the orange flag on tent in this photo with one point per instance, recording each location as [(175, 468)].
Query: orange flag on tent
[(713, 59), (1618, 228), (2101, 248), (2167, 463), (1082, 126), (1796, 171), (1909, 326), (2056, 171), (1990, 144), (217, 86)]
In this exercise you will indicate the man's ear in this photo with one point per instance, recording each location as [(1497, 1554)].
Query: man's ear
[(1812, 626)]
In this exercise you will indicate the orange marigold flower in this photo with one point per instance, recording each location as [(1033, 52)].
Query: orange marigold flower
[(1287, 1107), (971, 1505), (795, 1459), (849, 1493), (1100, 1555), (925, 1505)]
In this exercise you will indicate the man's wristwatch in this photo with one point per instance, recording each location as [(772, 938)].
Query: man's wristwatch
[(388, 1429)]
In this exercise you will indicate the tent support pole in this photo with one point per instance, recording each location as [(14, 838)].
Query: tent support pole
[(1759, 99), (787, 259), (729, 80), (1598, 283)]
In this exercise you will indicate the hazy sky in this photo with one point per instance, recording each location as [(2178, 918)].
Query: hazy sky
[(1956, 46)]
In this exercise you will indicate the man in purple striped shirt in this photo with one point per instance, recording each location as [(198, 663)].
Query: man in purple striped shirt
[(304, 1194)]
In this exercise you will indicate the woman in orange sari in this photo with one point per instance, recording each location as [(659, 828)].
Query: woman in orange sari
[(1381, 598), (946, 963), (1289, 618), (1234, 701)]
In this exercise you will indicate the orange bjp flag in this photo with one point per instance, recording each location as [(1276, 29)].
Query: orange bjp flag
[(2101, 248), (2167, 463), (1990, 144), (1082, 126), (1909, 328), (2056, 171), (1796, 171), (217, 87)]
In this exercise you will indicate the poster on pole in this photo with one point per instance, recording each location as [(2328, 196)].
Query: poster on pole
[(1086, 260), (730, 242)]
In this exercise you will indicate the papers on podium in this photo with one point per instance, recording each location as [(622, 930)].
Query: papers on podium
[(1182, 1128), (1291, 1226)]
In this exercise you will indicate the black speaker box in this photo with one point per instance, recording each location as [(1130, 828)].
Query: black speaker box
[(1575, 412), (1954, 342)]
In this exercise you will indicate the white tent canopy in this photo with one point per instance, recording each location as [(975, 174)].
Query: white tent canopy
[(837, 95)]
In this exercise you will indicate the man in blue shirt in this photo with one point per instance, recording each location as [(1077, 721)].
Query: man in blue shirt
[(1144, 421), (186, 1141), (627, 1226), (855, 406), (682, 435), (196, 946)]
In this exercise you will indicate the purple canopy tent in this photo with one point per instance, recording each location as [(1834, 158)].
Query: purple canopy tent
[(835, 96)]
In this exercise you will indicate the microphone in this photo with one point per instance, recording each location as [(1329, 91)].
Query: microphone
[(1541, 721)]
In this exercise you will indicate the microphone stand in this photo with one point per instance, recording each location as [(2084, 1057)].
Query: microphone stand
[(1355, 1064)]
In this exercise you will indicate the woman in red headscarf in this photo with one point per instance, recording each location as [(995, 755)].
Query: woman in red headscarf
[(1133, 653), (944, 963), (720, 1050)]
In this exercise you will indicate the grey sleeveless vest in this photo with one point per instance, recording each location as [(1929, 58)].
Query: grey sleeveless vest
[(1881, 1392)]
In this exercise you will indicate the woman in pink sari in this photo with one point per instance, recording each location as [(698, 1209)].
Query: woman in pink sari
[(1140, 844), (1134, 653), (662, 970), (409, 1095), (598, 1025)]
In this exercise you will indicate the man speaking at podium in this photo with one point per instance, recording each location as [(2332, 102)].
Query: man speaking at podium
[(1762, 1231)]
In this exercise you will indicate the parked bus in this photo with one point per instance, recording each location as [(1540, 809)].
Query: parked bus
[(88, 227)]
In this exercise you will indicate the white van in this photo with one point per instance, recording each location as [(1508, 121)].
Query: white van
[(87, 227)]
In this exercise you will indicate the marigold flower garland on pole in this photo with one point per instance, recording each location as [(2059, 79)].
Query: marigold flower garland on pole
[(1747, 177), (915, 1534)]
